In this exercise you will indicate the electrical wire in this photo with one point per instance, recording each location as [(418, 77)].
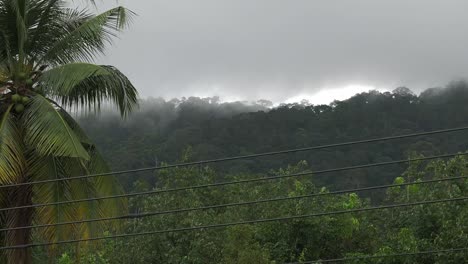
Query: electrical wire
[(203, 227), (261, 179), (277, 199), (351, 143)]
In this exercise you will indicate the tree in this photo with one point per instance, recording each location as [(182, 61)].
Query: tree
[(46, 54)]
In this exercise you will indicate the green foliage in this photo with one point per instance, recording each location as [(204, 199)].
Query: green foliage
[(383, 232), (241, 247), (65, 259), (85, 259)]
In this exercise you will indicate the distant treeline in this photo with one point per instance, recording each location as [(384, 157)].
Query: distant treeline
[(161, 130)]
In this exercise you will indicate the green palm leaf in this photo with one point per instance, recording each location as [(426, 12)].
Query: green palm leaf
[(11, 152), (83, 41), (46, 168), (61, 80), (89, 86), (49, 133), (105, 185)]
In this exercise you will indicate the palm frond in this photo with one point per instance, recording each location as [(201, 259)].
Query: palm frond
[(55, 22), (84, 139), (48, 133), (5, 52), (20, 7), (107, 186), (46, 168), (8, 33), (12, 159), (44, 26), (89, 86), (63, 79), (88, 38)]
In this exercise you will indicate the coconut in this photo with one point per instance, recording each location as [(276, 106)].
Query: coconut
[(19, 108), (25, 100), (16, 98)]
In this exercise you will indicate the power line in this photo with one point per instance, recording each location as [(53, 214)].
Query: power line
[(235, 182), (429, 252), (184, 210), (351, 143), (237, 223)]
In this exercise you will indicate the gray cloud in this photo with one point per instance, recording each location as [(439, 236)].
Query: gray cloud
[(277, 49)]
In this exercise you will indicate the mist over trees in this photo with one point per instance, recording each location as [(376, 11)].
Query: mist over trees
[(161, 130)]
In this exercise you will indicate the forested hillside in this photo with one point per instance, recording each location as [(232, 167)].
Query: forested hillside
[(162, 130), (316, 223), (300, 218)]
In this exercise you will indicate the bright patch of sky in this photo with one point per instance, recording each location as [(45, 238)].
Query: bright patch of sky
[(330, 94)]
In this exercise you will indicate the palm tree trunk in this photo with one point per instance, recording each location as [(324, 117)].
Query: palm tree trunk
[(19, 196)]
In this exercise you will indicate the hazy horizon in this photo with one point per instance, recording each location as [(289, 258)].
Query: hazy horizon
[(285, 51)]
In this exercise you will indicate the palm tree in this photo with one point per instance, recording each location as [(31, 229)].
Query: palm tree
[(46, 69)]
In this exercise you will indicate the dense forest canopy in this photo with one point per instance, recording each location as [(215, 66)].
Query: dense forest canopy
[(161, 130), (401, 230), (195, 129)]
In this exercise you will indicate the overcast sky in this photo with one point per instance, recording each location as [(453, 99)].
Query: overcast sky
[(285, 50)]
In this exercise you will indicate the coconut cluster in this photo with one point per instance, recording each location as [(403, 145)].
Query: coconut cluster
[(17, 90), (18, 99), (20, 102)]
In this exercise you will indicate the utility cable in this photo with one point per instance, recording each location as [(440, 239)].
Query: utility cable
[(351, 143), (277, 199), (268, 220), (261, 179)]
